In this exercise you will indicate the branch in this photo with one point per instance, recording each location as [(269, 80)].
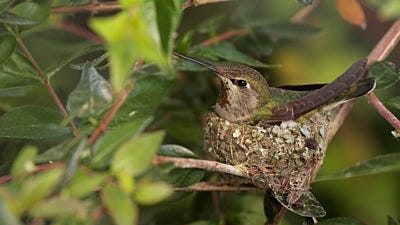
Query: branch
[(114, 109), (379, 52), (201, 164), (204, 186), (94, 7), (46, 83), (39, 168)]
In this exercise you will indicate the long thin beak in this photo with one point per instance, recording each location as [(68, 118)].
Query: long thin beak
[(198, 61)]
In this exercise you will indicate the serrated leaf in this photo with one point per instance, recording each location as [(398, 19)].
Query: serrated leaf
[(56, 208), (352, 12), (12, 19), (168, 17), (105, 146), (305, 2), (340, 221), (83, 184), (176, 151), (377, 165), (385, 73), (7, 46), (149, 193), (41, 185), (134, 156), (394, 102), (119, 205), (227, 51), (32, 122), (288, 30), (181, 177), (145, 97), (25, 162), (91, 96), (6, 216)]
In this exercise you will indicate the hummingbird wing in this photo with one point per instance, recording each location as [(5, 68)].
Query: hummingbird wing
[(294, 109)]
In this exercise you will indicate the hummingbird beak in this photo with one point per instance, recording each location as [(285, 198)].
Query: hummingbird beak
[(197, 61)]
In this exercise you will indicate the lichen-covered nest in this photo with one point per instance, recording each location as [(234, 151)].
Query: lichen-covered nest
[(284, 158)]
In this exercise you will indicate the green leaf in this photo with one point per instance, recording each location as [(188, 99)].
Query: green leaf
[(39, 186), (83, 184), (145, 97), (25, 162), (135, 155), (149, 193), (391, 221), (307, 205), (168, 17), (7, 46), (32, 10), (19, 65), (32, 122), (287, 30), (56, 208), (58, 152), (4, 4), (181, 177), (6, 216), (271, 206), (245, 210), (377, 165), (305, 2), (176, 151), (340, 221), (129, 36), (119, 205), (227, 51), (105, 146), (394, 102), (52, 70), (12, 19), (91, 96), (385, 73)]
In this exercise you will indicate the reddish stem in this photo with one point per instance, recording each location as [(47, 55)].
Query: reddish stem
[(383, 111), (46, 83)]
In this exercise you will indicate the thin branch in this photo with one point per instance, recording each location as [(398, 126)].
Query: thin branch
[(226, 35), (114, 109), (304, 12), (383, 111), (204, 186), (46, 83), (201, 164), (94, 7), (80, 32), (379, 52), (190, 3), (40, 167), (279, 216)]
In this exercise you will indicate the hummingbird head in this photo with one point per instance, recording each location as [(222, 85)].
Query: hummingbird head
[(243, 90)]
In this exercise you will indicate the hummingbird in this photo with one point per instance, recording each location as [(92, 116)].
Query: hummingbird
[(246, 97)]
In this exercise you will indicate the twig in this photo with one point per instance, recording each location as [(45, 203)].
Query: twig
[(226, 35), (80, 32), (41, 167), (383, 111), (46, 83), (201, 164), (189, 3), (204, 186), (302, 14), (379, 52), (279, 216), (114, 109), (93, 7)]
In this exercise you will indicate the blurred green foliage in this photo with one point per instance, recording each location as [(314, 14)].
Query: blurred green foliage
[(50, 176)]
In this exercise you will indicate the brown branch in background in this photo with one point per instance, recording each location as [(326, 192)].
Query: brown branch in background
[(94, 7), (200, 164), (204, 186), (304, 12), (279, 216), (380, 52), (226, 35), (46, 83), (383, 111), (80, 32), (114, 109)]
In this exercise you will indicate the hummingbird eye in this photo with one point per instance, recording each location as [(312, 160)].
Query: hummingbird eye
[(241, 83)]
